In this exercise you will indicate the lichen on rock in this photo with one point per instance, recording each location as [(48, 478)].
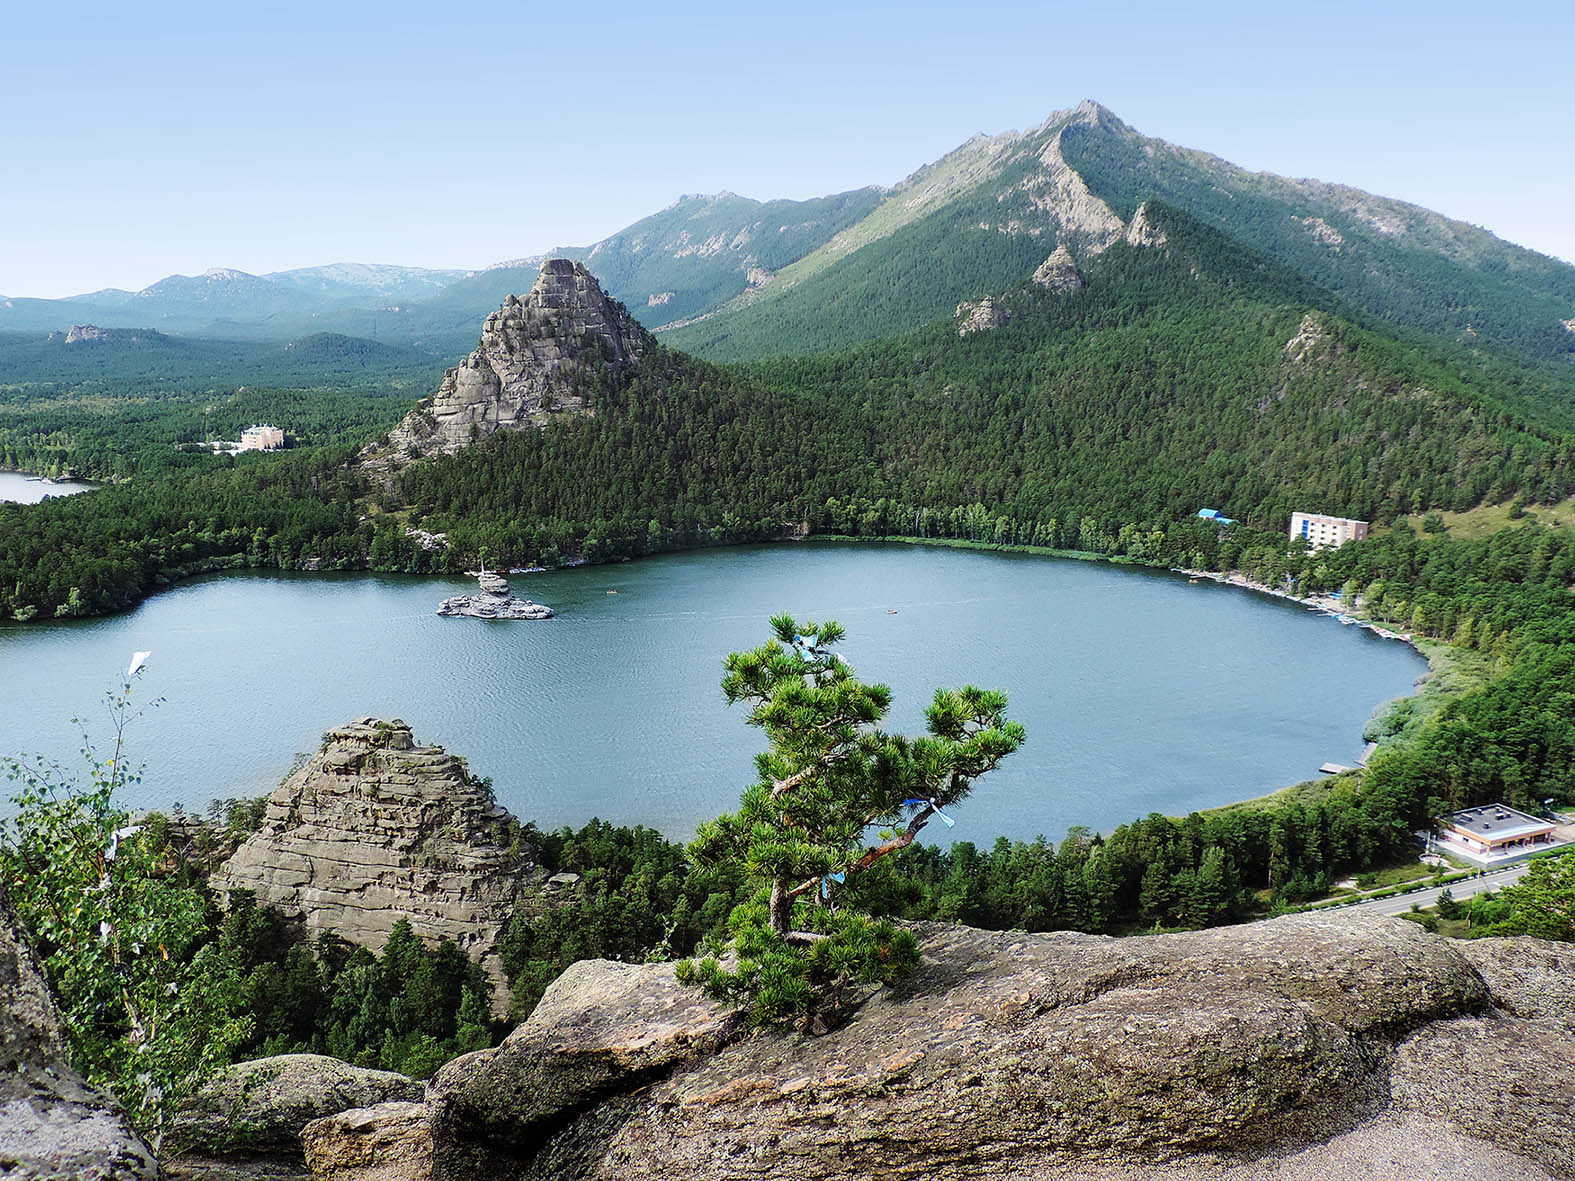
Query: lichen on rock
[(1246, 1052)]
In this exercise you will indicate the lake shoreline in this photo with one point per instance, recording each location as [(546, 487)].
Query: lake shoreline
[(1323, 604), (1124, 680)]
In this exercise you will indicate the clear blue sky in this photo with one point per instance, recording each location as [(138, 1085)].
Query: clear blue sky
[(143, 139)]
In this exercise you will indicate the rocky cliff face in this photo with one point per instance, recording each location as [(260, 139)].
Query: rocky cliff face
[(531, 363), (53, 1125), (1307, 1047), (374, 829)]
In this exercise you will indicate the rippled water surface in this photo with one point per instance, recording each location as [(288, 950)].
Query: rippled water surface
[(1140, 692)]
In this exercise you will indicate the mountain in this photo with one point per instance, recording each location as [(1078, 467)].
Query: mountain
[(356, 283), (702, 251), (1095, 406), (729, 277), (991, 211), (538, 358), (687, 259)]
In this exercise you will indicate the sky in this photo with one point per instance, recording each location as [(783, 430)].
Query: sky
[(141, 140)]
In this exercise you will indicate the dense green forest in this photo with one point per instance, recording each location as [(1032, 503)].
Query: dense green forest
[(110, 408), (1187, 377)]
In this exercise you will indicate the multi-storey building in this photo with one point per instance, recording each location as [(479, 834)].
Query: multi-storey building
[(1319, 531), (262, 437)]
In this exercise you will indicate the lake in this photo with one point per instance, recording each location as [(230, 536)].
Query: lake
[(1139, 691), (24, 489)]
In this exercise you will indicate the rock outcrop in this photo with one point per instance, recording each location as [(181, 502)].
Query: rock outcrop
[(1311, 1046), (53, 1125), (1144, 231), (259, 1108), (387, 1142), (1058, 274), (537, 357), (374, 829), (494, 600), (981, 316)]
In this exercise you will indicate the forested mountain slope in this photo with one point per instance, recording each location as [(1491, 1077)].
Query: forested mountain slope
[(1186, 374), (1186, 371), (992, 210)]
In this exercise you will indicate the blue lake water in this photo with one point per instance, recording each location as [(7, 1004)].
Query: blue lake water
[(1139, 691), (24, 489)]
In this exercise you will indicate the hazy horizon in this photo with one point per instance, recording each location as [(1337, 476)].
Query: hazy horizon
[(178, 138)]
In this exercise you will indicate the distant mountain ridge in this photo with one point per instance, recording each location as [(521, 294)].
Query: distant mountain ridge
[(730, 277)]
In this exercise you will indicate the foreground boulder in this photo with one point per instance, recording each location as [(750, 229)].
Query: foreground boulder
[(53, 1125), (374, 829), (1305, 1047), (258, 1108), (388, 1142)]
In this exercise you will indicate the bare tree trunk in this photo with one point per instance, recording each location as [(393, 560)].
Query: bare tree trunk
[(781, 908)]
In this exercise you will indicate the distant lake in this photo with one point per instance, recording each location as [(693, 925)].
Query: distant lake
[(23, 489), (1139, 691)]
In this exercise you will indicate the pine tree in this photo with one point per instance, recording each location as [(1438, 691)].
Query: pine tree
[(830, 775)]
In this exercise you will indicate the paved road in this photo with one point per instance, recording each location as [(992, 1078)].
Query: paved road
[(1400, 903)]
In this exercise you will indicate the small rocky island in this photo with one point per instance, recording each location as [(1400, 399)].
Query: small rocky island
[(495, 601)]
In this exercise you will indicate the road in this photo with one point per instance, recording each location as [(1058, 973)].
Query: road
[(1400, 903)]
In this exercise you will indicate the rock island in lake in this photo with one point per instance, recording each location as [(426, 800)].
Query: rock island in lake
[(494, 601)]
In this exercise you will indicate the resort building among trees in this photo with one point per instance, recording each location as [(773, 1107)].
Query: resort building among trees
[(1495, 833), (262, 437), (1320, 532)]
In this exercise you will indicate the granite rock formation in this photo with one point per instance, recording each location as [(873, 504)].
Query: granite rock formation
[(53, 1125), (1144, 231), (537, 357), (981, 316), (1058, 274), (494, 600), (259, 1108), (388, 1142), (1306, 1047), (374, 829)]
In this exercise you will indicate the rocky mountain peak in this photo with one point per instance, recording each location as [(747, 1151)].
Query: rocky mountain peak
[(1096, 114), (82, 333), (533, 360)]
